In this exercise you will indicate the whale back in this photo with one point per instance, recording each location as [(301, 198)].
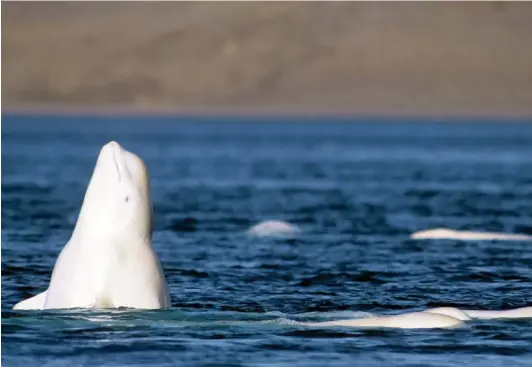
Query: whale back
[(443, 233), (411, 320)]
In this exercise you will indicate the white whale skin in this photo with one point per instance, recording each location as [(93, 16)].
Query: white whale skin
[(444, 233), (411, 320), (109, 261), (272, 228)]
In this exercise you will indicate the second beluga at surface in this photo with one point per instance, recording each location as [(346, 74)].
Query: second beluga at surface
[(435, 318), (444, 233)]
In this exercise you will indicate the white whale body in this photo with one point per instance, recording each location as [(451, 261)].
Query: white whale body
[(109, 261), (410, 320), (273, 228), (441, 317), (517, 313), (443, 233), (464, 315)]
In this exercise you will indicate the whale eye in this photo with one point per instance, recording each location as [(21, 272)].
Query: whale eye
[(127, 199)]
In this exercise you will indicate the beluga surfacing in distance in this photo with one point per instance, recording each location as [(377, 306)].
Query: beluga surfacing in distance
[(274, 228), (109, 261), (451, 234)]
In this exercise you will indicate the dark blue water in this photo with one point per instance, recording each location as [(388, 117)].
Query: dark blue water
[(357, 190)]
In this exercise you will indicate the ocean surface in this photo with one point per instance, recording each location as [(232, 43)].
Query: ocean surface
[(357, 189)]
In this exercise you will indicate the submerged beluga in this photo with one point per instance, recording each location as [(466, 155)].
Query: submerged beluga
[(109, 261), (434, 318)]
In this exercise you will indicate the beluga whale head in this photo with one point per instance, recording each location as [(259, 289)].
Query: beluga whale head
[(118, 199), (109, 261)]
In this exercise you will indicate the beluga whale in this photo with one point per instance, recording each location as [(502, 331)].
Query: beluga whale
[(274, 228), (410, 320), (434, 318), (444, 233), (109, 261)]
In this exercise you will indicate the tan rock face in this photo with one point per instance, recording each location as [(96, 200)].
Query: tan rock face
[(414, 58)]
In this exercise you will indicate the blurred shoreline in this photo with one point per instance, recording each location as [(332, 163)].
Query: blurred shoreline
[(258, 113), (442, 60)]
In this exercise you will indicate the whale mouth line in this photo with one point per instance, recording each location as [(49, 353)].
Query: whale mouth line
[(117, 167)]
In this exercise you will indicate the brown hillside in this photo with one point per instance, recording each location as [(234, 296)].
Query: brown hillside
[(413, 58)]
